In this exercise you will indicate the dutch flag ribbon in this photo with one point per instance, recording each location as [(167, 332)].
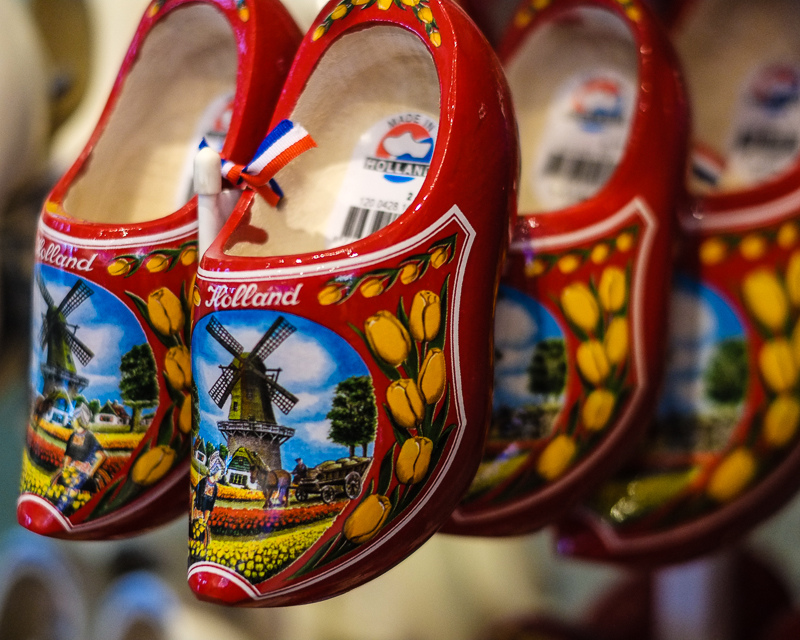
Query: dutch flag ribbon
[(282, 145)]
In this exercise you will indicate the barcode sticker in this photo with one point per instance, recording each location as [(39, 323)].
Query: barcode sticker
[(584, 139), (579, 169), (386, 172), (361, 222)]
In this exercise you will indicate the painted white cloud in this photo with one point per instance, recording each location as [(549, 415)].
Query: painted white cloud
[(405, 144), (513, 326), (689, 358), (683, 395), (515, 385), (104, 341), (310, 405), (691, 318), (513, 360), (316, 432), (303, 361)]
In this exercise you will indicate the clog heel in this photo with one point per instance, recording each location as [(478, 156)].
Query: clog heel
[(723, 452), (581, 311), (108, 441), (342, 341)]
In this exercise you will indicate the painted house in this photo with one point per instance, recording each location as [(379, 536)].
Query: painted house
[(58, 408), (199, 451), (238, 473), (112, 413)]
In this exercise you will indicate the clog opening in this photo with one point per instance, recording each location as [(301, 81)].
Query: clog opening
[(742, 66), (574, 82), (29, 610), (176, 92), (372, 106)]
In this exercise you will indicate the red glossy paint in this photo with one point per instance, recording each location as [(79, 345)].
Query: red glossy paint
[(726, 239), (458, 226), (630, 223), (116, 258)]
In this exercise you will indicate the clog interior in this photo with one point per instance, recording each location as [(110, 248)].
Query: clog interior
[(364, 78), (137, 172), (574, 85), (742, 65), (28, 609)]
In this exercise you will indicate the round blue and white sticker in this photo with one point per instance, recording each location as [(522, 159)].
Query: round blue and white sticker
[(386, 172)]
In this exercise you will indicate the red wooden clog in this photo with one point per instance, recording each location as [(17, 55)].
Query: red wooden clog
[(723, 452), (581, 311), (342, 343), (108, 438)]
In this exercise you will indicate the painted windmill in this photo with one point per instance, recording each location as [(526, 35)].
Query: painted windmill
[(253, 389), (58, 337)]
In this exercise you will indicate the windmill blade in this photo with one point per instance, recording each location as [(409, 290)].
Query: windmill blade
[(224, 385), (283, 399), (45, 293), (81, 351), (223, 336), (44, 330), (79, 292), (272, 339)]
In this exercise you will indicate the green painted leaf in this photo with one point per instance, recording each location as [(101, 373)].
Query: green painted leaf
[(315, 558), (387, 471), (387, 369), (400, 434), (141, 305), (438, 423), (187, 313), (439, 340), (166, 429)]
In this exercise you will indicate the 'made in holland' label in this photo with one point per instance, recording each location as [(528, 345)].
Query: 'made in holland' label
[(397, 168)]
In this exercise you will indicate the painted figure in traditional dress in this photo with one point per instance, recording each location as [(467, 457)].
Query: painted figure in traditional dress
[(82, 459), (206, 492)]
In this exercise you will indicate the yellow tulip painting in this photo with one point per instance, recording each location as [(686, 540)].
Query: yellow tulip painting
[(563, 423)]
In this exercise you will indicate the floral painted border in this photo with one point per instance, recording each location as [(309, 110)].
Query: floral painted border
[(421, 9), (373, 283), (526, 13), (408, 346)]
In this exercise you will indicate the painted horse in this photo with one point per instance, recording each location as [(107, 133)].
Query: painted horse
[(274, 483)]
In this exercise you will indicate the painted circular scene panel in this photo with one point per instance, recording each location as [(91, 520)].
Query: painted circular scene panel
[(94, 389), (530, 379), (288, 419), (701, 407)]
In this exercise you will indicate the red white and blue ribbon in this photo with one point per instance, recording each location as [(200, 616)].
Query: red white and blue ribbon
[(282, 145)]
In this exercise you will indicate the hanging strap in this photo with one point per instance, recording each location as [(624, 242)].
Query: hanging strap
[(282, 145)]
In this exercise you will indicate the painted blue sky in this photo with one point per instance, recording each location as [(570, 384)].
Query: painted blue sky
[(699, 319), (105, 325), (313, 361), (520, 323)]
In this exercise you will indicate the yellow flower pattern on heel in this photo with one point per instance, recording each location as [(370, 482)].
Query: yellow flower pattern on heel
[(420, 8)]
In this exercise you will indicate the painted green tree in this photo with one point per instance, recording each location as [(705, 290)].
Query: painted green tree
[(138, 384), (726, 376), (547, 372), (354, 414)]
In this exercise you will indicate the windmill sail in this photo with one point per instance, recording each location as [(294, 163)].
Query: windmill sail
[(81, 351), (223, 336), (282, 398), (224, 384), (273, 338), (79, 292)]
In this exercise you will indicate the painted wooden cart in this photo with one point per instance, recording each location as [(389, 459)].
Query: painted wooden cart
[(333, 478)]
